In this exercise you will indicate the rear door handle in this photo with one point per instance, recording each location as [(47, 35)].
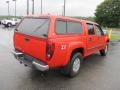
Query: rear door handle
[(98, 38), (90, 39), (26, 39)]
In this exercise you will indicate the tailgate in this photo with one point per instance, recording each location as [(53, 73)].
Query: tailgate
[(33, 46)]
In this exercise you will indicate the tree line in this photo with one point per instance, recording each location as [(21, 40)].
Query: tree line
[(108, 13)]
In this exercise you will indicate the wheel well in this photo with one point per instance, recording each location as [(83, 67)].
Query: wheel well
[(81, 50), (9, 23)]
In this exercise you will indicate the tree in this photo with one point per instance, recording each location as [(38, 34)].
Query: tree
[(108, 13)]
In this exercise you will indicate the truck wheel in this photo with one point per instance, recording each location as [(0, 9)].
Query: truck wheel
[(9, 24), (73, 67), (104, 52)]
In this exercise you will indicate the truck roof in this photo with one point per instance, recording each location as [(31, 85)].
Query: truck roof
[(62, 17)]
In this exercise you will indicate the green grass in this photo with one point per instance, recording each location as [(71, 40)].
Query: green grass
[(5, 17), (115, 38), (115, 33)]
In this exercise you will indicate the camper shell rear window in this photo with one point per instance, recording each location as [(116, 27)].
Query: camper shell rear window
[(37, 27)]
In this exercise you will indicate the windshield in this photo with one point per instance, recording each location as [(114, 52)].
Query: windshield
[(37, 27)]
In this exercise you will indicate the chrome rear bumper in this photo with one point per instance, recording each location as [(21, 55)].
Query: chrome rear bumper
[(30, 61), (40, 66)]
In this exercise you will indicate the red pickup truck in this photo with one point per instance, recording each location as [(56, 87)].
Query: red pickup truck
[(45, 42)]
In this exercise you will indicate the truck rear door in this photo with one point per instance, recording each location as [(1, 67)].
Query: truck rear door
[(91, 38)]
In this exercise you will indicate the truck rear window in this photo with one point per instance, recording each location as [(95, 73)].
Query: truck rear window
[(37, 27)]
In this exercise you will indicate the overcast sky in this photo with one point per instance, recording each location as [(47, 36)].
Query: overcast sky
[(73, 7)]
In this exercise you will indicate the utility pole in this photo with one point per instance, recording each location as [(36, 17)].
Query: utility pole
[(33, 7), (27, 7), (41, 7), (62, 10), (64, 6), (8, 2), (15, 7)]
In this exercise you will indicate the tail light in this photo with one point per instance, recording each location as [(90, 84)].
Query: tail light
[(50, 47)]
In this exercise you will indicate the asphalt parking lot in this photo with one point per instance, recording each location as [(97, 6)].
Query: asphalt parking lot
[(97, 73)]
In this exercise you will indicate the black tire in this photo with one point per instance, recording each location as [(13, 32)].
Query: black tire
[(9, 25), (104, 52), (69, 70), (5, 26)]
